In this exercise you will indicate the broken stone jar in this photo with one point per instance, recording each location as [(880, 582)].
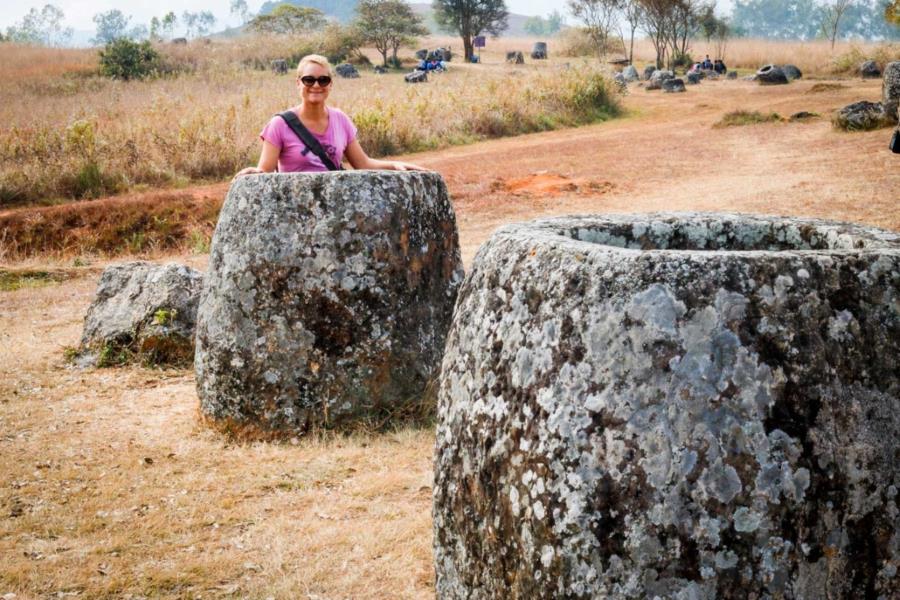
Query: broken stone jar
[(327, 300), (672, 406)]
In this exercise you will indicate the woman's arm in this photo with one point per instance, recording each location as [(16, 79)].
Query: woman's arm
[(268, 160), (358, 158)]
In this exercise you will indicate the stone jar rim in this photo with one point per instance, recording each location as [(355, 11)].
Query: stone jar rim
[(703, 235)]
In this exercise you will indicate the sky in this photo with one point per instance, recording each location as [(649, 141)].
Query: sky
[(79, 13)]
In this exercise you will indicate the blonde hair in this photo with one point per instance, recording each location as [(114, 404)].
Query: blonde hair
[(316, 59)]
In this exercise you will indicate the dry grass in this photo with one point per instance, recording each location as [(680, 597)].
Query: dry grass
[(76, 135), (111, 487), (739, 118)]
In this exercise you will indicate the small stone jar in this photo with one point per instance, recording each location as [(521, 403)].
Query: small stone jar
[(697, 406)]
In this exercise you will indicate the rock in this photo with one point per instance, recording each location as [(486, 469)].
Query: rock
[(869, 70), (861, 116), (803, 115), (347, 71), (648, 72), (732, 75), (672, 406), (416, 77), (630, 74), (327, 301), (693, 78), (708, 74), (181, 41), (890, 95), (515, 58), (792, 72), (279, 66), (141, 312), (771, 75), (673, 85), (422, 54), (749, 78), (620, 81), (379, 70), (658, 77), (539, 51)]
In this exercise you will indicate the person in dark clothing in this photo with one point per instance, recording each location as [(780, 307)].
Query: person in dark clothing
[(720, 67), (707, 64)]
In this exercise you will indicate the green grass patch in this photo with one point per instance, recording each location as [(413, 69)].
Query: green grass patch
[(17, 280), (739, 118)]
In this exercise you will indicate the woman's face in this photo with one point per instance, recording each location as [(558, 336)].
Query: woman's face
[(315, 94)]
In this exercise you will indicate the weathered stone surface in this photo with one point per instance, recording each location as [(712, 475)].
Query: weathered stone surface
[(732, 75), (631, 74), (890, 95), (144, 312), (672, 406), (861, 116), (416, 77), (673, 85), (771, 75), (539, 51), (515, 57), (869, 70), (347, 71), (658, 77), (648, 72), (693, 78), (792, 72), (327, 300)]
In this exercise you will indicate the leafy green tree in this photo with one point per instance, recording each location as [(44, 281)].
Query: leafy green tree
[(126, 59), (111, 24), (43, 26), (471, 18), (534, 26), (169, 21), (388, 25), (892, 12), (288, 19)]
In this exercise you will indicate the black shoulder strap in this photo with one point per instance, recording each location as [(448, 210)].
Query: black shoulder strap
[(290, 117)]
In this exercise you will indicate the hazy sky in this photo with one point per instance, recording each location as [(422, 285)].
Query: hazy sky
[(80, 13)]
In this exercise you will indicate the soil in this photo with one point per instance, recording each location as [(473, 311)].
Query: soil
[(81, 508)]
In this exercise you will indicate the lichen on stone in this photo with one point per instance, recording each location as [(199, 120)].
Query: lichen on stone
[(680, 406)]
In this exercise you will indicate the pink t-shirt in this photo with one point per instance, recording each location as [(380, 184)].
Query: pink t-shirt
[(295, 156)]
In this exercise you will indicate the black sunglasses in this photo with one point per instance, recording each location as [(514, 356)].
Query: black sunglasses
[(322, 80)]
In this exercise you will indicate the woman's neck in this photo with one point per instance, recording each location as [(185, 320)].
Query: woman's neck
[(313, 112)]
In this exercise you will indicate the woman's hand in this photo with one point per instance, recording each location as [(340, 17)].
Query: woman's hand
[(404, 166), (248, 171)]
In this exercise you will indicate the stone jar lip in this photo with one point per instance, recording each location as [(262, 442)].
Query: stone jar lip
[(682, 234)]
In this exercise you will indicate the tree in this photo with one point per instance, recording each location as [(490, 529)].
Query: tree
[(633, 14), (41, 27), (111, 25), (199, 23), (388, 25), (656, 16), (720, 37), (471, 18), (548, 25), (832, 13), (169, 21), (240, 8), (780, 19), (126, 59), (287, 19), (598, 17)]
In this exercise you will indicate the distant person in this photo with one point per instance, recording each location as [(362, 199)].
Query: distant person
[(332, 134), (720, 67), (707, 64)]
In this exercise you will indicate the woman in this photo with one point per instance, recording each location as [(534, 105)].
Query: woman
[(334, 130)]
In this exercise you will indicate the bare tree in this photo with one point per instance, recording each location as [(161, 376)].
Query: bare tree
[(633, 14), (720, 37), (598, 17), (656, 20), (684, 23), (832, 13)]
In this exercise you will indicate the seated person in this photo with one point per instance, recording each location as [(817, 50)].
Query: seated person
[(720, 67), (707, 64)]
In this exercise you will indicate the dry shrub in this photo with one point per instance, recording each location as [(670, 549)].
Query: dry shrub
[(738, 118), (848, 63)]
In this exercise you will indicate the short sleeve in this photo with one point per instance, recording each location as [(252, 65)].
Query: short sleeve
[(348, 127), (272, 132)]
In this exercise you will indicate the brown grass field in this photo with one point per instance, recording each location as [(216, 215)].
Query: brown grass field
[(110, 486)]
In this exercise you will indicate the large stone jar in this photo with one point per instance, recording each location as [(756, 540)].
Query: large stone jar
[(672, 406), (327, 300)]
